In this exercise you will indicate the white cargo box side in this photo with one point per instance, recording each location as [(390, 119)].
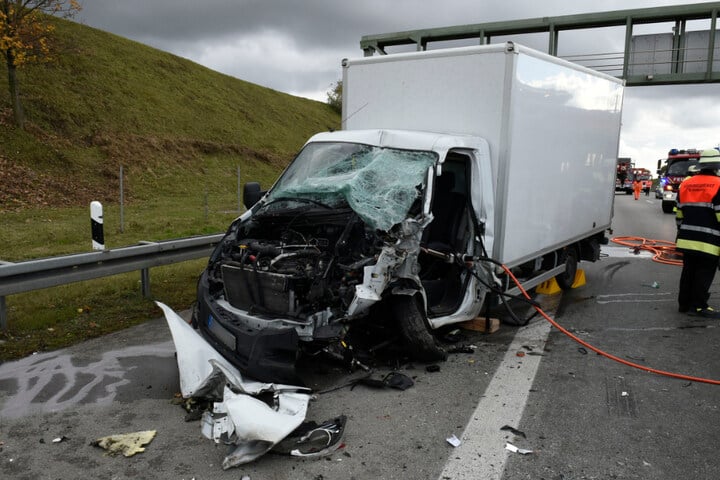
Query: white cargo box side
[(552, 126)]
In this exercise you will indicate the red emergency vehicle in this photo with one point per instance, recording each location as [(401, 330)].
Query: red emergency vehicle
[(674, 171), (644, 176), (623, 179)]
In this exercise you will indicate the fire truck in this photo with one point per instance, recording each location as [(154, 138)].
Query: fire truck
[(644, 176), (626, 173), (623, 179), (673, 172)]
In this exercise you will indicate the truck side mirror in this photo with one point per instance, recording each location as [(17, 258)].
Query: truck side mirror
[(251, 194)]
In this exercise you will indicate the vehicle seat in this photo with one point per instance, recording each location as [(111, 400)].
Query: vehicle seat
[(448, 211)]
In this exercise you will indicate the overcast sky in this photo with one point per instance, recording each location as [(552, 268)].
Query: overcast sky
[(296, 46)]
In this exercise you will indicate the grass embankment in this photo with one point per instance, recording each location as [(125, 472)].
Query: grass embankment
[(179, 130)]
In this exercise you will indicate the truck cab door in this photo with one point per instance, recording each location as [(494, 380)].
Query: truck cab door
[(451, 235)]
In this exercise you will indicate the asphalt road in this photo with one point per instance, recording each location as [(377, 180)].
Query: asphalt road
[(582, 415)]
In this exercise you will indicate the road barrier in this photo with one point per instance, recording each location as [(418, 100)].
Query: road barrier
[(42, 273)]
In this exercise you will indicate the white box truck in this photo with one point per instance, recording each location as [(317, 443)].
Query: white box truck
[(450, 164)]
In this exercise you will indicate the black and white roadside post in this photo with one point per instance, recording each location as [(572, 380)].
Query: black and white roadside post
[(96, 224)]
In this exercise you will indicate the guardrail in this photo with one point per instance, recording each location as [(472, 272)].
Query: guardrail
[(42, 273)]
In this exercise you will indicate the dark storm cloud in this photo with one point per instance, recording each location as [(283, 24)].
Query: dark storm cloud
[(296, 46), (309, 22)]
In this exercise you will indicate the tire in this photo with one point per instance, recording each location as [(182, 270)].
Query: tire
[(415, 330), (566, 279), (667, 207)]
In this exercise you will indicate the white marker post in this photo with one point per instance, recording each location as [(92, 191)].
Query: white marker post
[(96, 224)]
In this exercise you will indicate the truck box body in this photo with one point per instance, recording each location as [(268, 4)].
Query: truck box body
[(552, 128)]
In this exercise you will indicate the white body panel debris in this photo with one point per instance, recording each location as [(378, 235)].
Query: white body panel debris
[(514, 449), (453, 440), (238, 417)]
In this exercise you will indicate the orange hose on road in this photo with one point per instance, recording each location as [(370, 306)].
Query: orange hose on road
[(605, 354), (663, 250)]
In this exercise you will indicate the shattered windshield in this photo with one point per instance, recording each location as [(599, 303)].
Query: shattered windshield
[(379, 184)]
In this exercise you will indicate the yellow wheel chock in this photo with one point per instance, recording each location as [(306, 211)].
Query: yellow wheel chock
[(551, 287)]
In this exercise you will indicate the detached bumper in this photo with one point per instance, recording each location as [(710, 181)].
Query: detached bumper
[(265, 354)]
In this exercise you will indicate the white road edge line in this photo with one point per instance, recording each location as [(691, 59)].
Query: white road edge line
[(482, 453)]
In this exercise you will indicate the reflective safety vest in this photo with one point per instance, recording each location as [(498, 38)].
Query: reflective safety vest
[(698, 214)]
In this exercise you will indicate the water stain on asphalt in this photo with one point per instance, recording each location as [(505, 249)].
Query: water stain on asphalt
[(57, 381)]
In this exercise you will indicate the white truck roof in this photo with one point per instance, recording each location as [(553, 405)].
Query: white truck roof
[(402, 139)]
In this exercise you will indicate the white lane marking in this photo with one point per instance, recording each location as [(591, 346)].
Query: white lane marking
[(613, 295), (633, 298), (655, 329), (624, 252), (635, 301), (482, 453)]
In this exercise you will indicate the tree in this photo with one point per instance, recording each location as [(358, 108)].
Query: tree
[(25, 38), (334, 97)]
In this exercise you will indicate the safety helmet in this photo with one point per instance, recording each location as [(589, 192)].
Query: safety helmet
[(709, 160), (709, 156)]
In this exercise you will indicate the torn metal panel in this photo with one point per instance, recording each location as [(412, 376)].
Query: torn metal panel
[(239, 417)]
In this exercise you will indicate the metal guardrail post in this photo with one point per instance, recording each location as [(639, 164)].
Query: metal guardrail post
[(145, 275), (3, 314), (145, 282)]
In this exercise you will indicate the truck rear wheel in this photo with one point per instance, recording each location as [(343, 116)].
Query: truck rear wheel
[(415, 329), (566, 279)]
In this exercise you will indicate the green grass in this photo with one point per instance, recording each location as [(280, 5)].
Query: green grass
[(180, 132)]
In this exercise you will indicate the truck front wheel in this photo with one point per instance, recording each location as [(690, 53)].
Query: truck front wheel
[(415, 330)]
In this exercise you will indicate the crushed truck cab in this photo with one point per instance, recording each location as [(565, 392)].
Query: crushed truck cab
[(452, 165)]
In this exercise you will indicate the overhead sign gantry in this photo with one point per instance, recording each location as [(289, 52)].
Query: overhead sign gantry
[(679, 56)]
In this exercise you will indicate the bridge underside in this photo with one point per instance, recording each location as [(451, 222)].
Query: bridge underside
[(687, 52)]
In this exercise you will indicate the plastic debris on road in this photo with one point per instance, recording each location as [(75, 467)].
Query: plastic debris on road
[(514, 449), (311, 440), (453, 440)]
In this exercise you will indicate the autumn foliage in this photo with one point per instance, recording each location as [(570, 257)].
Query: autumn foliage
[(25, 37)]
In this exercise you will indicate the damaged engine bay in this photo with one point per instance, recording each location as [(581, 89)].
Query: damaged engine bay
[(303, 267)]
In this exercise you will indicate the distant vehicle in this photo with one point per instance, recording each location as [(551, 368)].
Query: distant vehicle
[(673, 172), (658, 190), (623, 178), (644, 176), (626, 173)]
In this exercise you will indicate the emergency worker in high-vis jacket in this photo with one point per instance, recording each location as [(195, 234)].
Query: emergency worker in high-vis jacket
[(698, 237)]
